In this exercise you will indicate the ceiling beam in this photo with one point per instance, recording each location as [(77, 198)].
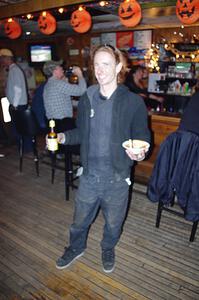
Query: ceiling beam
[(31, 6)]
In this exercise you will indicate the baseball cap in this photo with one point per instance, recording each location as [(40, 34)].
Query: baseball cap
[(50, 65), (6, 52)]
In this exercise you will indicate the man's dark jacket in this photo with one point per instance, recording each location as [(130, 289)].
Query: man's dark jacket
[(129, 121)]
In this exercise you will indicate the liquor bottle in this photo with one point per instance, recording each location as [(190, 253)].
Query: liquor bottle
[(52, 137)]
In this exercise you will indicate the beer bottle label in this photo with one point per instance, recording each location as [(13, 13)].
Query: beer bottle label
[(52, 145)]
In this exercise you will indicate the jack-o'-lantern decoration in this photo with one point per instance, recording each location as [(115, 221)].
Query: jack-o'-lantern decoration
[(12, 29), (130, 13), (187, 11), (47, 23), (81, 20)]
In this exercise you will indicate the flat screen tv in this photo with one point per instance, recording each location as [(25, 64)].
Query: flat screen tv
[(40, 53)]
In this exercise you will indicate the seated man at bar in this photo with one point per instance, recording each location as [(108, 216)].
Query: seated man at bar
[(136, 82), (108, 114)]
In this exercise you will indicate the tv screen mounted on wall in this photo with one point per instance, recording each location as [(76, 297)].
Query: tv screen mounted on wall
[(40, 53)]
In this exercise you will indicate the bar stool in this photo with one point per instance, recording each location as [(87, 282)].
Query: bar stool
[(68, 152), (26, 126), (69, 168)]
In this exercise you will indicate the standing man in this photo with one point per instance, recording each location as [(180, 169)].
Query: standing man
[(57, 94), (16, 88), (108, 115)]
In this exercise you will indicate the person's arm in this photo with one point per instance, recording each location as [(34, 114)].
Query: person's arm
[(17, 95), (140, 131), (16, 78), (79, 88), (157, 98)]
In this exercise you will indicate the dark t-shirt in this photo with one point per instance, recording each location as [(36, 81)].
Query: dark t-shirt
[(100, 131)]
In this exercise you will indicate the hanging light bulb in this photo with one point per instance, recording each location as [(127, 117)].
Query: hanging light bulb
[(61, 10), (102, 3), (29, 16), (44, 13)]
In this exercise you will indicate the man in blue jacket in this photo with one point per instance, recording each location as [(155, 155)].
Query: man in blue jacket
[(108, 115)]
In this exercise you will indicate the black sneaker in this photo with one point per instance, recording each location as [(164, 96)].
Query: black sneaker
[(108, 260), (67, 258)]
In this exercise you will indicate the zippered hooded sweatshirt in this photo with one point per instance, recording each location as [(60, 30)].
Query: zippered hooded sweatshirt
[(129, 121)]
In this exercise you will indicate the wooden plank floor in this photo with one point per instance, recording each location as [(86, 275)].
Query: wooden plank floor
[(34, 221)]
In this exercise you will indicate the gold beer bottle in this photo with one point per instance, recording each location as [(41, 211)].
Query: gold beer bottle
[(52, 137)]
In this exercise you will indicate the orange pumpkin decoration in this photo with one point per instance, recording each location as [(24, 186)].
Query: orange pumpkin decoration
[(187, 11), (130, 13), (81, 20), (47, 23), (12, 29)]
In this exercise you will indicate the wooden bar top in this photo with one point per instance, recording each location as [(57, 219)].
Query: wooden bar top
[(161, 125)]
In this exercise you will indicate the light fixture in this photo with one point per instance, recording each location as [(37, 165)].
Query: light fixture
[(103, 3), (44, 13), (61, 10), (29, 16)]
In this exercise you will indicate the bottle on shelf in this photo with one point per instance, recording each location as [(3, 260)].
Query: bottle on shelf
[(52, 138)]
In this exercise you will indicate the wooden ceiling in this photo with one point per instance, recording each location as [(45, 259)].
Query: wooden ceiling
[(156, 14)]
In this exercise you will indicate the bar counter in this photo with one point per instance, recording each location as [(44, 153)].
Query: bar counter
[(161, 125)]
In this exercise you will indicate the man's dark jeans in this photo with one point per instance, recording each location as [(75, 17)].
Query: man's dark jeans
[(110, 193)]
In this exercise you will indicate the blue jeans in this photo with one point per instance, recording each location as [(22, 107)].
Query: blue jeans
[(95, 192)]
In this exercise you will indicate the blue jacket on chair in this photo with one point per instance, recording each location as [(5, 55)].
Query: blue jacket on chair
[(176, 171)]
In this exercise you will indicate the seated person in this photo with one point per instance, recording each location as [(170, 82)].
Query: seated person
[(136, 82)]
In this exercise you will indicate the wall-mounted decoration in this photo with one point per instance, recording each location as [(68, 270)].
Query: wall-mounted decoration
[(47, 23), (109, 38), (70, 41), (12, 29), (142, 39), (73, 52), (124, 39), (187, 11), (130, 13), (95, 42), (81, 20)]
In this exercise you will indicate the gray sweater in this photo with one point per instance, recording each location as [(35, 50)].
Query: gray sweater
[(129, 120)]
